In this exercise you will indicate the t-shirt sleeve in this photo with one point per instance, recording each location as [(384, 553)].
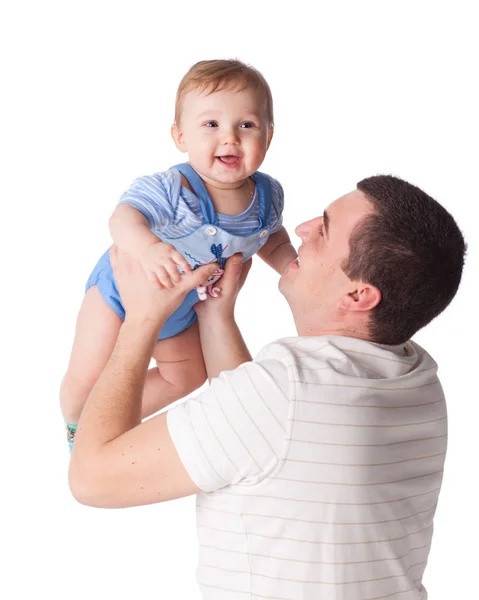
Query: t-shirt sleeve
[(234, 432), (151, 196), (277, 205)]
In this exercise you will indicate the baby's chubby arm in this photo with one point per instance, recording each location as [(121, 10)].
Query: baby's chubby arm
[(278, 251), (131, 233)]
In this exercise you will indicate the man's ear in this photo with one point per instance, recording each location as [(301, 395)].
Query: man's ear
[(177, 136), (363, 298)]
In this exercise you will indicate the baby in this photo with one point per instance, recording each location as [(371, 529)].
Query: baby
[(198, 212)]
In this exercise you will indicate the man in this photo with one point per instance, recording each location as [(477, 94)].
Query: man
[(323, 457)]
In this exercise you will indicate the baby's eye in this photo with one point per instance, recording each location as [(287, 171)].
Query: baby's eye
[(320, 230), (247, 125), (211, 124)]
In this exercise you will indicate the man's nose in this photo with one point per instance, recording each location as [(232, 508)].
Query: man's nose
[(302, 230)]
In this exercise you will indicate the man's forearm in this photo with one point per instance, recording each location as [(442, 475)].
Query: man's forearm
[(223, 345), (114, 404)]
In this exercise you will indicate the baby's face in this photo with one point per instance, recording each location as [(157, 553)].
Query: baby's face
[(226, 134)]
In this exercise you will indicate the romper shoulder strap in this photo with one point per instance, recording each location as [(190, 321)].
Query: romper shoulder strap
[(263, 184), (207, 209)]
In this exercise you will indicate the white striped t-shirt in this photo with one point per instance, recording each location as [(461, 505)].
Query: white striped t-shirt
[(173, 211), (320, 464)]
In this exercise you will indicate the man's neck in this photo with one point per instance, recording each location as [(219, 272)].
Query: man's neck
[(314, 327)]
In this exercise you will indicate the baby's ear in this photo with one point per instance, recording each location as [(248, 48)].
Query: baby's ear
[(177, 136), (270, 137)]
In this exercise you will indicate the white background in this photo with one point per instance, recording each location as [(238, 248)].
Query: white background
[(360, 88)]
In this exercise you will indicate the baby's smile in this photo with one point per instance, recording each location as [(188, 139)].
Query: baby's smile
[(229, 160)]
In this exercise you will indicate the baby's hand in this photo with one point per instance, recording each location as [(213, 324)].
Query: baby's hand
[(207, 288), (161, 261)]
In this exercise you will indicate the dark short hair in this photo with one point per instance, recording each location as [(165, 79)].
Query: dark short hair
[(412, 250)]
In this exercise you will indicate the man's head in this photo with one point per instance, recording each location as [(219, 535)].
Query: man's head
[(380, 264), (223, 120)]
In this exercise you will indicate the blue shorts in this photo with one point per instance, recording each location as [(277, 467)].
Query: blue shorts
[(102, 277)]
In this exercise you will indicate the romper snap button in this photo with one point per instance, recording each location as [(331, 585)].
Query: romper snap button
[(210, 230), (264, 233)]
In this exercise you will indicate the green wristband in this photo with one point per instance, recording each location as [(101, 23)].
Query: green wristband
[(71, 429)]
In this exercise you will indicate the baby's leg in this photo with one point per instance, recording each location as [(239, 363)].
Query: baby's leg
[(95, 336), (180, 370), (180, 367)]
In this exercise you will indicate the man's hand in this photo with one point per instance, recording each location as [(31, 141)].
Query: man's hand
[(230, 284), (147, 300), (218, 328), (161, 261)]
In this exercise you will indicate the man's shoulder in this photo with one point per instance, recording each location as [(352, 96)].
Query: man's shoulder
[(290, 353), (300, 346), (350, 357), (279, 350), (269, 370)]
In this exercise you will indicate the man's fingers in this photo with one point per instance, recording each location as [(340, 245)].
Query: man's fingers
[(173, 272), (181, 262), (164, 277), (151, 276), (245, 270), (233, 270)]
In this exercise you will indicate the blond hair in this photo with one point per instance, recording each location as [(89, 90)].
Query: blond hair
[(215, 75)]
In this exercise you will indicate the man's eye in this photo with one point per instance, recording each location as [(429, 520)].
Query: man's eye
[(211, 124), (247, 125)]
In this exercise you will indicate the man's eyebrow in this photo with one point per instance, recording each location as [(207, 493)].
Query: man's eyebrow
[(326, 222)]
